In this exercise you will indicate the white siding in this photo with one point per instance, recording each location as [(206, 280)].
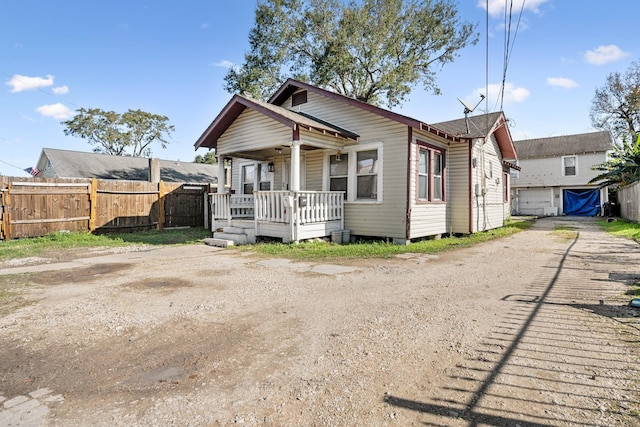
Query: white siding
[(459, 187), (548, 172), (488, 201)]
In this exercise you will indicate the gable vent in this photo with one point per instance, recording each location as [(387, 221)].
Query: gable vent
[(299, 98)]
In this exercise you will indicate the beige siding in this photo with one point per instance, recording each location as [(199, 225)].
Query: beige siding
[(314, 170), (253, 131), (388, 217), (459, 187), (488, 200), (427, 219)]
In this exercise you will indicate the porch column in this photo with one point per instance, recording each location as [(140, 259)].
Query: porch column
[(221, 175), (295, 165)]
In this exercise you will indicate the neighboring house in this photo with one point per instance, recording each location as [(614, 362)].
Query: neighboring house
[(55, 163), (555, 173), (309, 163)]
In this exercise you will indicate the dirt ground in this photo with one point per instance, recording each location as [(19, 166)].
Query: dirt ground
[(529, 330)]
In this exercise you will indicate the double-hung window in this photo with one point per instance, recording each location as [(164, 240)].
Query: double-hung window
[(431, 170), (357, 171), (248, 176), (569, 166), (264, 177)]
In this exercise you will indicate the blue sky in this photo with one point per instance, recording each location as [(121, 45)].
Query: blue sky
[(169, 57)]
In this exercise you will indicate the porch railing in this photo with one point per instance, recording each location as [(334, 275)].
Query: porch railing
[(312, 206)]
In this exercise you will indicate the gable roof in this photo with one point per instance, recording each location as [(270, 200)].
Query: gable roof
[(79, 164), (481, 126), (593, 142), (273, 109), (291, 119)]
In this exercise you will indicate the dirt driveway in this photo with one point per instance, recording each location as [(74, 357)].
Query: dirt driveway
[(530, 330)]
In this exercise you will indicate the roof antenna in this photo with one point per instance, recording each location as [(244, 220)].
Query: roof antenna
[(469, 109)]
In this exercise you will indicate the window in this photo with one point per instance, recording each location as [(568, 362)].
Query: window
[(338, 172), (367, 175), (264, 183), (431, 167), (357, 171), (248, 176), (570, 164), (506, 190)]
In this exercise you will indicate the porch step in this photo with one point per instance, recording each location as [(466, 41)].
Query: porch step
[(220, 243), (236, 238)]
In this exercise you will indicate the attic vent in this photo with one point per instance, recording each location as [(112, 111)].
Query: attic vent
[(299, 98)]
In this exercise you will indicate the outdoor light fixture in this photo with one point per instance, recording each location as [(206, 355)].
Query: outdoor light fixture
[(271, 167)]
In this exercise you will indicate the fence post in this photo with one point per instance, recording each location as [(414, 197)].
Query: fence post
[(93, 201), (161, 218), (6, 215)]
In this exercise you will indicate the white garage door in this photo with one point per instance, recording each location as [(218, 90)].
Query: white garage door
[(533, 202)]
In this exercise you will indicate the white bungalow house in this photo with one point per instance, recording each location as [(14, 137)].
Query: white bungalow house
[(310, 162), (555, 174)]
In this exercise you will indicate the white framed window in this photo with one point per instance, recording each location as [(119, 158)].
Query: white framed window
[(430, 173), (357, 171), (255, 176), (569, 165), (515, 173)]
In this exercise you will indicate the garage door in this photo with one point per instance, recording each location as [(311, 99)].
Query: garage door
[(533, 202)]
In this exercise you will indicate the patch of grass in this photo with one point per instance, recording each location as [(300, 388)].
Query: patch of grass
[(634, 290), (380, 249), (565, 232), (37, 246), (622, 227), (11, 289)]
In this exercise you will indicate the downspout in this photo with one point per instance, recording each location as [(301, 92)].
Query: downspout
[(295, 182), (471, 187), (408, 185)]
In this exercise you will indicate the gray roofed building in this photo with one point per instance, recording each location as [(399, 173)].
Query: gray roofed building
[(478, 125), (54, 163), (593, 142)]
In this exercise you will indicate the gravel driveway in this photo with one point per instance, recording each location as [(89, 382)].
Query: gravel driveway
[(529, 330)]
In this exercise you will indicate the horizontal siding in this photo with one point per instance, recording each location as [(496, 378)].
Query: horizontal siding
[(253, 131), (488, 202), (314, 170), (459, 187), (547, 172), (385, 219)]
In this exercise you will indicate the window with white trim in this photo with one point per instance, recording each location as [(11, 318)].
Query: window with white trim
[(357, 171), (431, 167), (248, 176), (569, 166), (264, 177)]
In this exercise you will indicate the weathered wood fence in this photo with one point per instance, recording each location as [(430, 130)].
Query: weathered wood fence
[(32, 207), (629, 200)]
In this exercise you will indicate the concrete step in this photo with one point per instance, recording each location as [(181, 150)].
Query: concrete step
[(220, 243), (234, 230), (238, 239), (243, 223)]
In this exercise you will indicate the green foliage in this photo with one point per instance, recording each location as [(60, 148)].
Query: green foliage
[(380, 249), (209, 158), (623, 166), (622, 228), (128, 134), (616, 105), (375, 51)]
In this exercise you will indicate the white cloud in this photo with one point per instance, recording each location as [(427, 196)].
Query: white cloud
[(57, 111), (497, 7), (19, 83), (512, 94), (561, 82), (224, 64), (60, 90), (604, 54)]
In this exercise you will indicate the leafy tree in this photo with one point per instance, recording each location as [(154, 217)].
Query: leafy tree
[(209, 158), (623, 166), (616, 105), (371, 50), (128, 134)]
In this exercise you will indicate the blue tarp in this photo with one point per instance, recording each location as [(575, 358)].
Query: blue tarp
[(582, 202)]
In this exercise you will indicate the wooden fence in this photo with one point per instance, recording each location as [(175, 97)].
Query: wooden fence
[(32, 207), (629, 200)]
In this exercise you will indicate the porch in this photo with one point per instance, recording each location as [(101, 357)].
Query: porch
[(288, 215)]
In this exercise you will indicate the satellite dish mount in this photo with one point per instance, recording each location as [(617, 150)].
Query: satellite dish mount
[(469, 109)]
